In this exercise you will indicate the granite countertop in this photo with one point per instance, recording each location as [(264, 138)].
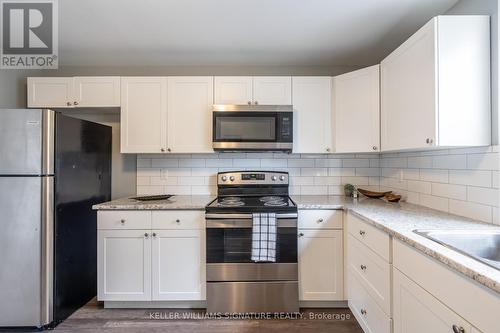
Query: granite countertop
[(397, 219), (176, 202)]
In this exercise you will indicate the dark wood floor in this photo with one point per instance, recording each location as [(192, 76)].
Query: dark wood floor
[(94, 318)]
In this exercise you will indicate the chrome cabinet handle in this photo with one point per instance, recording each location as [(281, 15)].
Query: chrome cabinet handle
[(328, 149), (363, 312), (75, 103), (429, 140), (362, 232), (256, 103), (249, 103), (178, 221), (162, 150), (374, 148), (154, 234), (363, 267), (122, 221), (458, 329), (146, 235), (320, 220), (301, 234), (68, 103), (169, 150)]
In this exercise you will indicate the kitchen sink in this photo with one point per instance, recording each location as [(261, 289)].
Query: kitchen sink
[(482, 245)]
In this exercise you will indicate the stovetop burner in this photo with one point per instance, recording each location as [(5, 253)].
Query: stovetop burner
[(252, 192)]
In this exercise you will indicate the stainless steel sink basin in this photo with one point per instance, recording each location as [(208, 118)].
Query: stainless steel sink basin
[(482, 245)]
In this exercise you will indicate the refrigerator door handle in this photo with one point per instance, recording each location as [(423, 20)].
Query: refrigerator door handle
[(47, 267), (48, 133)]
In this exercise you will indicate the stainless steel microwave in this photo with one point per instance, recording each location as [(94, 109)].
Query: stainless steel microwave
[(253, 128)]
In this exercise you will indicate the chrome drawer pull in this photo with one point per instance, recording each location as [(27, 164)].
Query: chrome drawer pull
[(363, 267), (362, 232), (458, 329), (363, 312)]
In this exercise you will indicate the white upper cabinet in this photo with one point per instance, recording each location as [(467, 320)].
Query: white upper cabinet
[(356, 109), (264, 90), (54, 92), (190, 100), (233, 90), (69, 92), (143, 114), (312, 104), (97, 91), (435, 88), (272, 90)]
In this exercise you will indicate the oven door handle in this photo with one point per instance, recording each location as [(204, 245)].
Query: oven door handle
[(246, 224), (247, 216)]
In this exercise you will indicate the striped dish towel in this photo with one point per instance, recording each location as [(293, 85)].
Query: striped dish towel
[(264, 237)]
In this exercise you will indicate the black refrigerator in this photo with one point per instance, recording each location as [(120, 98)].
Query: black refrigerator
[(53, 168)]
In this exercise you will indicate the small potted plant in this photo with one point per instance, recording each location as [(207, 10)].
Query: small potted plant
[(348, 190)]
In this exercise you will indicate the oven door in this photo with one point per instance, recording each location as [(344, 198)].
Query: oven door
[(251, 130), (229, 241)]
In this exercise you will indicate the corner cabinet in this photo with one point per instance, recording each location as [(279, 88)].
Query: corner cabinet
[(356, 110), (73, 92), (143, 256), (435, 87), (166, 115), (312, 104)]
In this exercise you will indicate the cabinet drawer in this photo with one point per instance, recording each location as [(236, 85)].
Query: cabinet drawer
[(123, 219), (320, 219), (369, 315), (373, 272), (370, 236), (179, 219)]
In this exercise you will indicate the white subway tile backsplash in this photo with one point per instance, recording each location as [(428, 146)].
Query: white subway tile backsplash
[(483, 195), (431, 175), (449, 162), (471, 210), (471, 177), (461, 181), (488, 161), (451, 191)]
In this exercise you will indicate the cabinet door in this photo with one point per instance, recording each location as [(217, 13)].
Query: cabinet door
[(416, 311), (356, 110), (143, 120), (233, 90), (49, 92), (97, 91), (312, 99), (123, 265), (178, 265), (272, 90), (190, 100), (408, 92), (320, 265)]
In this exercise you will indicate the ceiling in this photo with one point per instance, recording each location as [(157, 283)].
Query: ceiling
[(237, 32)]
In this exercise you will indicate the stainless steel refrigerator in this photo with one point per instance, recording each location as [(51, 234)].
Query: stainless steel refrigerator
[(53, 168)]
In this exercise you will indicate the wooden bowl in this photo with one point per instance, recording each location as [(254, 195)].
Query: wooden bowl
[(373, 194), (392, 197)]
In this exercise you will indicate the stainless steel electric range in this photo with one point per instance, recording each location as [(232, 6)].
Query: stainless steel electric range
[(234, 282)]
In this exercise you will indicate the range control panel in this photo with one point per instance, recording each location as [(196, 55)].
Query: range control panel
[(252, 177)]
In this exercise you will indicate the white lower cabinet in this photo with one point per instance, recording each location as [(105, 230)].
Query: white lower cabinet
[(178, 265), (166, 263), (416, 311), (321, 258), (124, 265)]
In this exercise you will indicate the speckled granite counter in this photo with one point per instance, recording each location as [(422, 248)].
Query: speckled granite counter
[(177, 202), (400, 219), (397, 219)]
